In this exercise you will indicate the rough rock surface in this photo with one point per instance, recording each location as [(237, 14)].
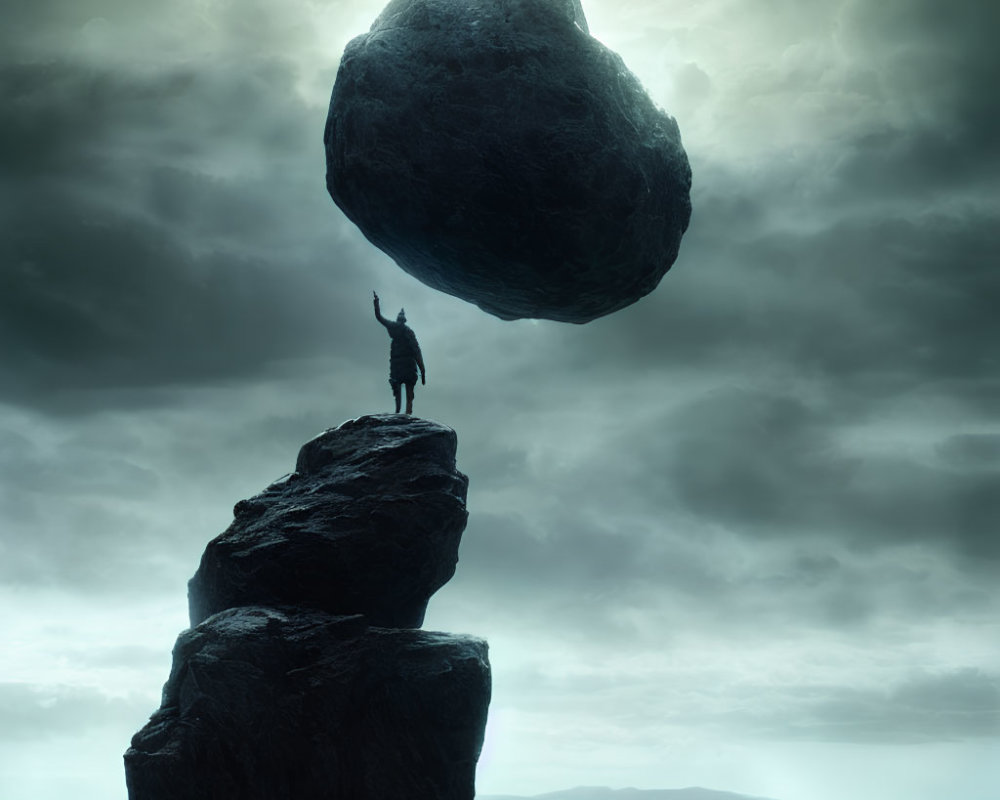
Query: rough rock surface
[(369, 523), (262, 704), (501, 154)]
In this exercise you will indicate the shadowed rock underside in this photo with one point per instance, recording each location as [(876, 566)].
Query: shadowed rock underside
[(501, 154)]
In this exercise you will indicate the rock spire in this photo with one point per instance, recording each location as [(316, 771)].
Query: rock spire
[(305, 674)]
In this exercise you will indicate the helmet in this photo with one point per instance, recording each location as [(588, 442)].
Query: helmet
[(401, 316)]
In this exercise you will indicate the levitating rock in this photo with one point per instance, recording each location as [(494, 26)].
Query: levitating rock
[(263, 704), (369, 523), (501, 154)]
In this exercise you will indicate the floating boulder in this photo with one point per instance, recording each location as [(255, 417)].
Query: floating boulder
[(369, 523), (267, 703), (501, 154)]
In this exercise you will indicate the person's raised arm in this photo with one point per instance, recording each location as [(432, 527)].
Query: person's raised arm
[(378, 312)]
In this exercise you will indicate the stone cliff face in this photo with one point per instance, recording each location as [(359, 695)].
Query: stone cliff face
[(369, 523), (500, 153), (288, 688)]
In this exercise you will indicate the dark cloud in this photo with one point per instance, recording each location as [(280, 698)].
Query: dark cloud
[(755, 460), (871, 305), (636, 593), (114, 302), (584, 579), (891, 163), (773, 465), (936, 69), (767, 466), (572, 552), (934, 60), (121, 270), (737, 509)]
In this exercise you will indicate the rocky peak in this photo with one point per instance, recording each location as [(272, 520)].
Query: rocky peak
[(369, 523), (303, 675)]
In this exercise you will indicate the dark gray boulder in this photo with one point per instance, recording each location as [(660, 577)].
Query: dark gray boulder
[(369, 523), (267, 704), (501, 154)]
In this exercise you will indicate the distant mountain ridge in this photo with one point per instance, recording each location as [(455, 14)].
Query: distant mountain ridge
[(605, 793)]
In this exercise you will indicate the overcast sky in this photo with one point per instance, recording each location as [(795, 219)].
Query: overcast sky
[(742, 534)]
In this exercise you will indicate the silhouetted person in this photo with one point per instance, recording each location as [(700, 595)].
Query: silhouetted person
[(404, 357)]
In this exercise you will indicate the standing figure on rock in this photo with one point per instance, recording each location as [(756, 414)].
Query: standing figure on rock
[(404, 356)]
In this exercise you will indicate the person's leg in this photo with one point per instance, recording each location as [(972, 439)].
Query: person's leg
[(409, 398), (395, 395)]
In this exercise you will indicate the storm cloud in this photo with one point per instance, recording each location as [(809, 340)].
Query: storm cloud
[(741, 534)]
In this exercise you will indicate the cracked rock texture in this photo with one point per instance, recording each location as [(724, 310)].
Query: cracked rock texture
[(303, 676), (276, 704), (501, 154), (369, 523)]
